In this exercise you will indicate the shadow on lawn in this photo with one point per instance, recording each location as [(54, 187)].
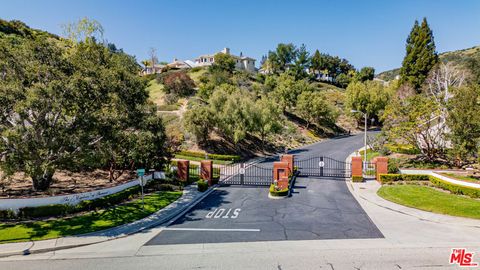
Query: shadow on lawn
[(88, 222)]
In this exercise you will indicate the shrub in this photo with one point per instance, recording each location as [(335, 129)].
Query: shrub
[(55, 210), (403, 149), (7, 214), (202, 185), (52, 210), (455, 189), (393, 166), (278, 193), (357, 178), (210, 156), (389, 178)]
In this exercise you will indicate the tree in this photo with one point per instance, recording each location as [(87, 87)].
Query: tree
[(369, 97), (302, 63), (62, 103), (314, 108), (267, 118), (199, 120), (152, 53), (343, 80), (285, 54), (365, 74), (464, 123), (287, 90), (177, 83), (420, 55), (414, 120), (224, 62), (84, 29)]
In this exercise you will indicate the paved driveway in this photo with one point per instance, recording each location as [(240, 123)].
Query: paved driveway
[(320, 208)]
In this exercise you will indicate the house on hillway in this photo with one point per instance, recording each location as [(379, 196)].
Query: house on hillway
[(241, 62)]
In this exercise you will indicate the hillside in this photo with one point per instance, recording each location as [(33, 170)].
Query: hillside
[(462, 57), (293, 134)]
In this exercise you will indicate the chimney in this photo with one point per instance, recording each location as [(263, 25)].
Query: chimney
[(226, 50)]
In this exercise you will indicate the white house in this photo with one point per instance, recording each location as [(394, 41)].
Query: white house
[(241, 62)]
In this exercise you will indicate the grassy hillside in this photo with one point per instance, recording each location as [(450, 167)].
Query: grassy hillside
[(461, 57), (294, 132)]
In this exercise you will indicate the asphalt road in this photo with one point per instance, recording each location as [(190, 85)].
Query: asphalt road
[(320, 208)]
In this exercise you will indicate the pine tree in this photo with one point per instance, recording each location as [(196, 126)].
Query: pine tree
[(420, 55)]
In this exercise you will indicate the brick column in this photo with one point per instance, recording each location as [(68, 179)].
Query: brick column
[(281, 171), (290, 160), (183, 167), (357, 166), (381, 166), (206, 171)]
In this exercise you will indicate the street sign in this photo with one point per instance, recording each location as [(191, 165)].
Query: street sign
[(140, 172), (321, 164)]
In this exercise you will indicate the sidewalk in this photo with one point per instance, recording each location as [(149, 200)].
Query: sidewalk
[(189, 198)]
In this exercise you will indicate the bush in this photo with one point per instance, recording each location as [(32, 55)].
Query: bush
[(52, 210), (393, 166), (7, 214), (55, 210), (210, 156), (357, 178), (202, 185), (455, 189), (389, 178), (278, 193), (403, 149)]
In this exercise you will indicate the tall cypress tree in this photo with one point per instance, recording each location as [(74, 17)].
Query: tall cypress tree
[(420, 57)]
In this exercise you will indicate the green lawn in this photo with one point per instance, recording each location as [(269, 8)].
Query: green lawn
[(430, 199), (169, 107), (465, 178), (215, 161), (156, 92), (88, 222)]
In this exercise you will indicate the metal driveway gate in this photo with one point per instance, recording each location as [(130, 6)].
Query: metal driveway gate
[(323, 167), (246, 174)]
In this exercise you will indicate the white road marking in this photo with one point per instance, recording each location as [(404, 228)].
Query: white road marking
[(210, 229)]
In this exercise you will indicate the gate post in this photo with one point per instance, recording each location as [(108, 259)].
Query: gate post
[(357, 166), (183, 169), (206, 171), (281, 173), (381, 167), (242, 173), (321, 167), (290, 160)]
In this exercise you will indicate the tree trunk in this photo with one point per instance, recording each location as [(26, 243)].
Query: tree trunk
[(42, 182)]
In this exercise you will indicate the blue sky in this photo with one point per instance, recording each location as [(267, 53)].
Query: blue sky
[(367, 33)]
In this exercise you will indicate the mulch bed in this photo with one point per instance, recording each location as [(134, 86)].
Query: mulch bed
[(20, 186)]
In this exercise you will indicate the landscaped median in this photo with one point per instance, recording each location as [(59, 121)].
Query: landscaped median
[(38, 223), (275, 192), (429, 193)]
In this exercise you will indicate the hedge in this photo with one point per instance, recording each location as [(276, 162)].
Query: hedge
[(357, 178), (456, 189), (55, 210), (278, 193), (210, 156), (202, 185), (389, 178), (453, 188)]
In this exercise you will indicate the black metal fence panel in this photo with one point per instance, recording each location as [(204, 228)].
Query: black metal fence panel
[(323, 166)]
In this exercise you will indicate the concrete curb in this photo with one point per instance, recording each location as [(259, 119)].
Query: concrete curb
[(397, 208), (170, 218)]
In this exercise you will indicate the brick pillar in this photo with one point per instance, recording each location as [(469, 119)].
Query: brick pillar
[(206, 171), (290, 160), (281, 171), (381, 166), (183, 167), (357, 166)]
